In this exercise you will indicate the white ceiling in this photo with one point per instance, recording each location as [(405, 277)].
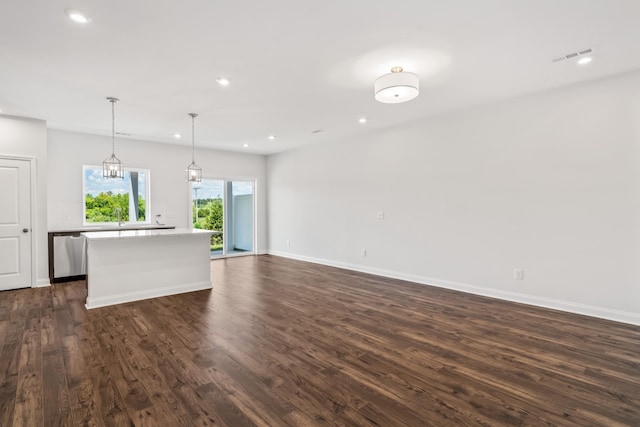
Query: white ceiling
[(295, 66)]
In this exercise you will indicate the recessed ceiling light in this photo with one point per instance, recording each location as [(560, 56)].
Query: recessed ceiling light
[(363, 120), (245, 145), (177, 136), (222, 81), (78, 16), (272, 137), (585, 60)]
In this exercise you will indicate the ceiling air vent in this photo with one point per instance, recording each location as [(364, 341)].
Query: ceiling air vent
[(573, 55)]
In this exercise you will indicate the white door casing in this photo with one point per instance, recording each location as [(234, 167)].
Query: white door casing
[(15, 224)]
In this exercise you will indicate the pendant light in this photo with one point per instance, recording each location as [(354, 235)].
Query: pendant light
[(112, 167), (193, 172)]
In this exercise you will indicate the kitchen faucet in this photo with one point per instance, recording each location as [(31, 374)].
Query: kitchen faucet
[(118, 212)]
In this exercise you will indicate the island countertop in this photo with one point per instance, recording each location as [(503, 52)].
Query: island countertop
[(87, 228), (135, 234)]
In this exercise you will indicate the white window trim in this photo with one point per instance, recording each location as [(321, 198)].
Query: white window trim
[(126, 169)]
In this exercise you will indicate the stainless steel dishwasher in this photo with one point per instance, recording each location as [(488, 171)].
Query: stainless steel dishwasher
[(70, 256)]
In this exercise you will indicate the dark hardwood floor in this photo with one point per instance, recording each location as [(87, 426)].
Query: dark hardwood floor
[(285, 343)]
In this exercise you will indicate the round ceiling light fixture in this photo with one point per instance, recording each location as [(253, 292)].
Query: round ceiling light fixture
[(396, 87)]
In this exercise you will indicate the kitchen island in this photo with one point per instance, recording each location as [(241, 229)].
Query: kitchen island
[(67, 255), (130, 265)]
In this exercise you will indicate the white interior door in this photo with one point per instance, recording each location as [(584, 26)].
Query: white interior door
[(15, 224)]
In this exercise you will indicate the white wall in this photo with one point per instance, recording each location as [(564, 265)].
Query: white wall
[(549, 183), (170, 195), (27, 138)]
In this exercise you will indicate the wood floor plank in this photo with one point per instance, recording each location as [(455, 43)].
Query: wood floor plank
[(108, 398), (55, 393), (65, 322), (84, 409), (9, 362), (28, 402), (49, 332), (82, 395)]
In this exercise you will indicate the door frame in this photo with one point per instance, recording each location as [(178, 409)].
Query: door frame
[(32, 214), (227, 178)]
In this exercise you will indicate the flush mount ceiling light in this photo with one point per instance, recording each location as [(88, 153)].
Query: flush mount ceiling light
[(362, 120), (272, 137), (77, 16), (396, 87), (193, 172), (177, 136), (112, 167), (222, 81)]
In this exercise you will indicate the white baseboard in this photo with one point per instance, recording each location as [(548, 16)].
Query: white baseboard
[(568, 306), (140, 295), (42, 283)]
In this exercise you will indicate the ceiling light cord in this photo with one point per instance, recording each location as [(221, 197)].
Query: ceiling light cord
[(193, 137), (113, 125)]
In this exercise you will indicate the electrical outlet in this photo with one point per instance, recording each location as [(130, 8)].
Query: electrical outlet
[(363, 252), (380, 215), (518, 273)]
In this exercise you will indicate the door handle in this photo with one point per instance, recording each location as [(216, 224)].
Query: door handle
[(25, 230)]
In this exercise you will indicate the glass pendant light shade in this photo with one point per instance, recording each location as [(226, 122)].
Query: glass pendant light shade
[(112, 167), (193, 172)]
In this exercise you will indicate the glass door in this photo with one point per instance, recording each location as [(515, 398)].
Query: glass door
[(225, 207), (239, 214)]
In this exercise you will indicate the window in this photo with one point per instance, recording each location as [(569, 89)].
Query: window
[(104, 198)]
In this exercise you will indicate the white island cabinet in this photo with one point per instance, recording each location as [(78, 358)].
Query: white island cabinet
[(130, 265)]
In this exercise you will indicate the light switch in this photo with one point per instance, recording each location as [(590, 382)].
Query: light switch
[(380, 215)]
